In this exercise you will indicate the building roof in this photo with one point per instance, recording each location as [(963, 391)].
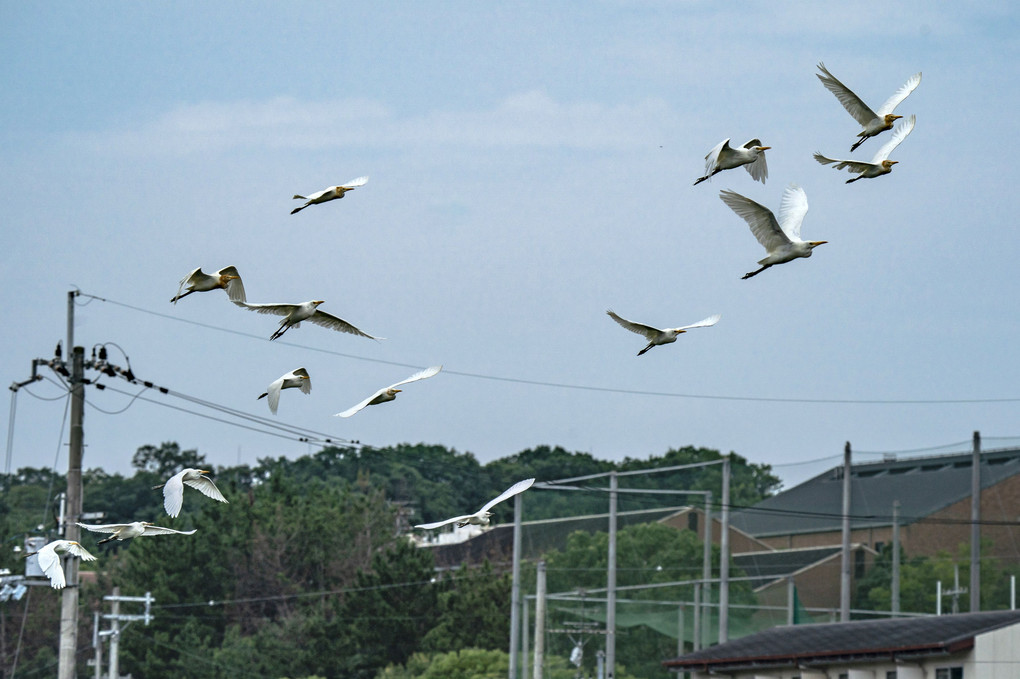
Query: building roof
[(923, 485), (864, 640), (768, 566)]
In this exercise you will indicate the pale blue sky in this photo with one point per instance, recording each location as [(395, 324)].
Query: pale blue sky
[(530, 166)]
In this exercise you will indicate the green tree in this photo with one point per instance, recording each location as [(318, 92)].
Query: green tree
[(167, 459), (473, 612)]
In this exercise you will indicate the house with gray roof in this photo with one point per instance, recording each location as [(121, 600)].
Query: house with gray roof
[(934, 506), (966, 646)]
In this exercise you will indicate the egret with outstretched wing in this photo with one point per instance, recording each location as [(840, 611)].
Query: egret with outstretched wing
[(173, 489), (389, 393), (50, 563), (655, 336), (332, 193), (295, 379), (723, 157), (127, 531), (780, 238), (293, 314), (482, 516), (226, 278), (880, 164), (873, 122)]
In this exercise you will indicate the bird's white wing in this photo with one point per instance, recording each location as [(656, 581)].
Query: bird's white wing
[(851, 102), (306, 384), (318, 194), (235, 288), (899, 95), (187, 279), (336, 323), (159, 530), (648, 331), (518, 487), (437, 524), (713, 156), (851, 165), (420, 375), (206, 486), (275, 309), (74, 549), (273, 394), (354, 183), (898, 135), (103, 528), (173, 495), (353, 409), (759, 169), (792, 210), (761, 220), (50, 564), (710, 321)]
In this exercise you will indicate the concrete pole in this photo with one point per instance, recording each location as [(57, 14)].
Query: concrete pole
[(69, 597), (975, 526), (724, 557), (515, 590), (115, 636), (97, 644), (844, 574), (611, 582), (680, 630), (895, 585), (791, 601), (539, 661), (706, 570), (696, 632), (524, 637)]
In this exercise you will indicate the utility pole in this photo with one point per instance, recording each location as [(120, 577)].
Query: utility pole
[(895, 586), (115, 636), (844, 571), (724, 557), (515, 589), (611, 582), (975, 526), (69, 598), (539, 662), (705, 611)]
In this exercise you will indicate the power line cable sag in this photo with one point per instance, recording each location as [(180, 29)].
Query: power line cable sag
[(577, 387)]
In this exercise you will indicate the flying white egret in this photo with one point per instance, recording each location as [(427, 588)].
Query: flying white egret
[(50, 563), (723, 157), (389, 393), (781, 239), (481, 517), (294, 379), (226, 278), (873, 122), (880, 164), (332, 193), (655, 336), (293, 314), (127, 531), (173, 489)]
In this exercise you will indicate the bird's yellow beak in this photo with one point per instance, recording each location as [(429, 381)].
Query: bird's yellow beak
[(816, 243), (896, 117), (320, 301), (765, 148), (893, 162), (203, 471), (397, 391)]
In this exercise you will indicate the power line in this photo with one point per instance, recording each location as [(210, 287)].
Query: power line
[(576, 387)]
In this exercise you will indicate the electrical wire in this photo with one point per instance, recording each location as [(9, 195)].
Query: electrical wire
[(576, 387)]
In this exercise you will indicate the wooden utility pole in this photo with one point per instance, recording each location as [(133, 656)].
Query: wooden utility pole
[(69, 598)]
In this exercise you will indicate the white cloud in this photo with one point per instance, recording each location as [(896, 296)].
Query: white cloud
[(526, 119)]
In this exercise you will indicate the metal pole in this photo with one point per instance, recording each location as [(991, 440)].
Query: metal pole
[(97, 644), (515, 592), (696, 634), (680, 630), (705, 611), (611, 583), (975, 526), (539, 661), (69, 598), (115, 635), (1012, 592), (724, 557), (895, 585), (844, 574), (524, 637), (791, 600), (70, 320), (938, 597)]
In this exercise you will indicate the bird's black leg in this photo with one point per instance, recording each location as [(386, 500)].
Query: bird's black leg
[(754, 273)]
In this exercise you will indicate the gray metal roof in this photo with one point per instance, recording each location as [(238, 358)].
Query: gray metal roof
[(767, 567), (836, 642), (923, 486)]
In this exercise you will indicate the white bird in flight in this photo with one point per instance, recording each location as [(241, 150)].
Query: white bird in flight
[(723, 157), (226, 278), (880, 164), (293, 314), (481, 517), (389, 393), (50, 563), (332, 193), (873, 122), (781, 239), (127, 531), (655, 336), (294, 379), (173, 489)]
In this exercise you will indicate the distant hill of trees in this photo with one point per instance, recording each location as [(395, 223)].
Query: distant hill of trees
[(306, 573)]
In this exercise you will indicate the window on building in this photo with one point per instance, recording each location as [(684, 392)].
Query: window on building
[(692, 521), (859, 564), (949, 673)]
